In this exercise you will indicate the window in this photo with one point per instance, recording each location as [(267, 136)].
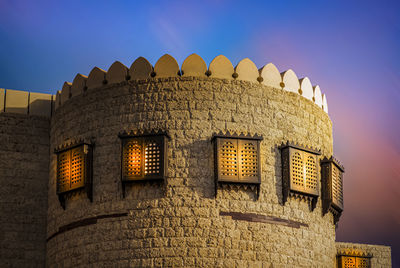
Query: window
[(237, 159), (73, 170), (353, 262), (300, 172), (337, 186), (332, 194), (143, 157), (237, 162)]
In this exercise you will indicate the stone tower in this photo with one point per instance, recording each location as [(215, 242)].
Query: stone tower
[(167, 166)]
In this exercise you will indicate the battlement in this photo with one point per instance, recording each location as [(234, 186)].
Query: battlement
[(193, 65), (24, 102)]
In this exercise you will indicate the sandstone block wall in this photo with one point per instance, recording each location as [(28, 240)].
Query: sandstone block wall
[(179, 222), (381, 255), (24, 102), (24, 162)]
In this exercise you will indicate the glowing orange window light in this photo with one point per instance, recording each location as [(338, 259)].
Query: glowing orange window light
[(350, 261), (143, 157), (300, 173), (237, 159), (73, 170)]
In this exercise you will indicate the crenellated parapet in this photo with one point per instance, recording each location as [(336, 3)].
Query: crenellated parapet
[(14, 101), (24, 102), (220, 67)]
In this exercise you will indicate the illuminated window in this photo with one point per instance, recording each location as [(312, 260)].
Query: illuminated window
[(73, 170), (332, 194), (143, 157), (300, 172), (237, 159), (353, 262)]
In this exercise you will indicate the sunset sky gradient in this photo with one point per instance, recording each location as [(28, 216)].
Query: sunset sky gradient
[(350, 48)]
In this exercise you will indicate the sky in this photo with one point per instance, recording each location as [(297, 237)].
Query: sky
[(350, 48)]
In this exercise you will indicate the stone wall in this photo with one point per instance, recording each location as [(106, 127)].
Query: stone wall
[(24, 162), (381, 255), (179, 222), (24, 102)]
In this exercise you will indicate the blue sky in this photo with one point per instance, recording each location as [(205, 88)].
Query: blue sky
[(350, 48)]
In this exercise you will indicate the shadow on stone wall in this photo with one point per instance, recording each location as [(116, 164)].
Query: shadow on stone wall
[(278, 172), (40, 107), (199, 166)]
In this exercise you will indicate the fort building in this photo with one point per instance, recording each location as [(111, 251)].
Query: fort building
[(162, 166)]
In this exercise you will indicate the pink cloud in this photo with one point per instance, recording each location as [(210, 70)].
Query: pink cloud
[(372, 178)]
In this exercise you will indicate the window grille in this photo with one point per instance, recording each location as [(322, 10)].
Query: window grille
[(228, 159), (152, 158), (77, 168), (349, 262), (63, 172), (362, 262), (143, 157), (332, 194), (73, 170), (132, 159), (337, 186), (248, 160), (237, 160), (300, 172), (353, 262), (311, 174)]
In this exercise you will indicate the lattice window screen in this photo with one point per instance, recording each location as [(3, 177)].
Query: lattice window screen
[(77, 168), (354, 262), (311, 173), (332, 182), (152, 158), (132, 155), (297, 170), (337, 186), (228, 159), (238, 160), (348, 262), (71, 169), (248, 159), (303, 172), (63, 171), (143, 157), (362, 262)]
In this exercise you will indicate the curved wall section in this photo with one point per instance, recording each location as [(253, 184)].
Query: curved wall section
[(180, 221)]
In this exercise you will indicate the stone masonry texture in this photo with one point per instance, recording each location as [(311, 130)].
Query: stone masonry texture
[(178, 222), (24, 161), (381, 254)]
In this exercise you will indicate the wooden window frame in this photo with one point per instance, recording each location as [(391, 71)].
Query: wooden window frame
[(331, 202), (143, 140), (303, 185), (240, 176), (356, 261), (85, 181)]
